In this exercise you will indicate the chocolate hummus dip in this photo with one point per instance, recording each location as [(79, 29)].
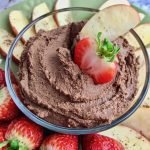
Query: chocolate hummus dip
[(55, 89)]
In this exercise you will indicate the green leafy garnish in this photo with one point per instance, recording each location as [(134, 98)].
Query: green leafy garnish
[(106, 49)]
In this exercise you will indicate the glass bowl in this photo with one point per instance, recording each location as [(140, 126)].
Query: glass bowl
[(143, 75)]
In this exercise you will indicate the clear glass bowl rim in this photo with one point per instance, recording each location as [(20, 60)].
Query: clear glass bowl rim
[(60, 129)]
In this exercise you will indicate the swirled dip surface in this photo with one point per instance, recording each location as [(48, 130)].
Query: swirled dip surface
[(55, 89)]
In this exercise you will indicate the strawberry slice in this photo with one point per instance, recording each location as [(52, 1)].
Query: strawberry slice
[(23, 134), (8, 109), (2, 78), (3, 129), (82, 49), (60, 142), (2, 138), (99, 142), (4, 125), (97, 59), (103, 72)]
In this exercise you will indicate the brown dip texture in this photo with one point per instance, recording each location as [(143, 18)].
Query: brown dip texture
[(55, 89)]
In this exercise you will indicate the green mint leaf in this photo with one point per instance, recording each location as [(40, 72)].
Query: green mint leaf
[(3, 144), (99, 39), (110, 46), (14, 144), (22, 146), (106, 49), (112, 58), (99, 35)]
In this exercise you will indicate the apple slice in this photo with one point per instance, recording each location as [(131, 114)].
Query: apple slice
[(117, 2), (6, 40), (146, 102), (142, 16), (112, 21), (18, 21), (143, 31), (45, 24), (140, 121), (114, 2), (130, 139), (63, 18)]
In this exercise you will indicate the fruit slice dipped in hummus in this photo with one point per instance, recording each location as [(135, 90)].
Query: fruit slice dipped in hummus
[(73, 78)]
